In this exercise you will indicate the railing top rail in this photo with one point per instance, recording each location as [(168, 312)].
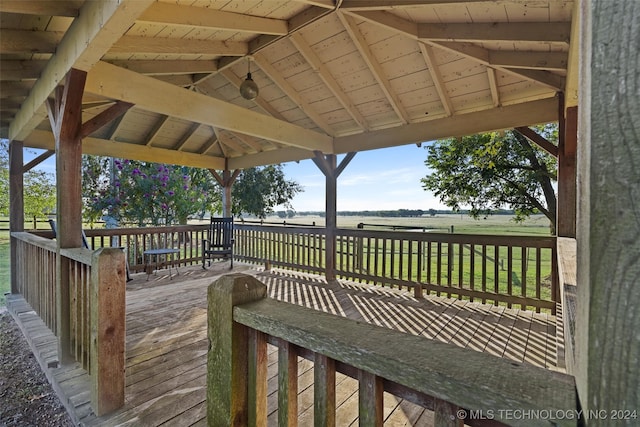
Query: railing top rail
[(144, 230), (280, 228), (81, 255), (469, 379), (34, 240), (486, 239)]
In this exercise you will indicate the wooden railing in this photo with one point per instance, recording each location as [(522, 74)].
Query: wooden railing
[(491, 269), (459, 385), (35, 265), (511, 270), (298, 248), (90, 320), (187, 238), (497, 269)]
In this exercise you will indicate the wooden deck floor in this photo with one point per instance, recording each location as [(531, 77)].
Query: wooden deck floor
[(166, 344)]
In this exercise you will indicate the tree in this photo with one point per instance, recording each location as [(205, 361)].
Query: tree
[(492, 170), (39, 188), (158, 194), (146, 193), (258, 190)]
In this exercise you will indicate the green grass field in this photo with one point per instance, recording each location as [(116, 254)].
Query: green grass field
[(497, 224)]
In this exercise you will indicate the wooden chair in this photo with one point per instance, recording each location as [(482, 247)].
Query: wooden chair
[(219, 241)]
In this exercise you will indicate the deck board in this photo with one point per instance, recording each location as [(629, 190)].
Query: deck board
[(166, 344)]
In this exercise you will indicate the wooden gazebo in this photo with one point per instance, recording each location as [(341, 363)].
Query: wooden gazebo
[(158, 81)]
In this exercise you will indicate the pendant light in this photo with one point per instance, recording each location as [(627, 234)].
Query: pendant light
[(249, 89)]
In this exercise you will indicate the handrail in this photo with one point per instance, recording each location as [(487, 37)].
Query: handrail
[(466, 384), (86, 310)]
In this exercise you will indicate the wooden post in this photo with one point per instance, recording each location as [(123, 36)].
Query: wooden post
[(287, 385), (226, 182), (108, 282), (447, 414), (331, 204), (227, 360), (327, 164), (324, 391), (65, 115), (16, 204), (370, 393), (567, 174), (607, 342)]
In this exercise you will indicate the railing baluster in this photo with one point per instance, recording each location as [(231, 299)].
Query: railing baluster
[(324, 391), (257, 377), (370, 394), (287, 385)]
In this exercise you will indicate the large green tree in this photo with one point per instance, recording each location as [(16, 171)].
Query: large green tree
[(151, 193), (490, 171), (258, 190), (39, 188)]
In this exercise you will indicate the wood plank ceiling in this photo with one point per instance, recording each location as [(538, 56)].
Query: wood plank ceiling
[(334, 77)]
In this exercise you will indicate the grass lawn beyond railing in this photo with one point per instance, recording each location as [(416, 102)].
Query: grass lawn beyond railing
[(499, 269)]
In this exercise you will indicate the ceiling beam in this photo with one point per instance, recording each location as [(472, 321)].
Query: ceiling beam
[(550, 32), (323, 71), (393, 4), (116, 110), (167, 67), (374, 66), (270, 157), (550, 61), (164, 45), (68, 8), (103, 147), (89, 37), (174, 14), (493, 86), (438, 81), (151, 94), (476, 53), (523, 114), (292, 93), (187, 136)]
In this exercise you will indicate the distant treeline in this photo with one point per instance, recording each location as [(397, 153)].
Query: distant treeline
[(401, 213)]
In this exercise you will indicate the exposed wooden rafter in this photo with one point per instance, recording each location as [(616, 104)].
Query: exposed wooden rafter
[(292, 93), (68, 8), (168, 67), (324, 73), (434, 71), (105, 117), (468, 50), (191, 16), (103, 147), (184, 140), (90, 36), (152, 95), (374, 66)]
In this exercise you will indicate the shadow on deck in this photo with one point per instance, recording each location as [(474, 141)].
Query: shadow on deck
[(166, 344)]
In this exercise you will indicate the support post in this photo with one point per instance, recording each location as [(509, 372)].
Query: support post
[(16, 203), (108, 282), (607, 342), (331, 203), (227, 359), (226, 182), (328, 165), (65, 115), (567, 172)]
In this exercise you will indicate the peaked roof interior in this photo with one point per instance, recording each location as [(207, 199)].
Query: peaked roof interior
[(334, 76)]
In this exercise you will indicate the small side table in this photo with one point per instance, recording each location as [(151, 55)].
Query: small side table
[(157, 253)]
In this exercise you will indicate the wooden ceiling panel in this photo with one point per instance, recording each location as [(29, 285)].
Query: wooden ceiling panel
[(345, 72)]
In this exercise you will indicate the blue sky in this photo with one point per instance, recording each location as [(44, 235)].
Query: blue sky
[(384, 179)]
